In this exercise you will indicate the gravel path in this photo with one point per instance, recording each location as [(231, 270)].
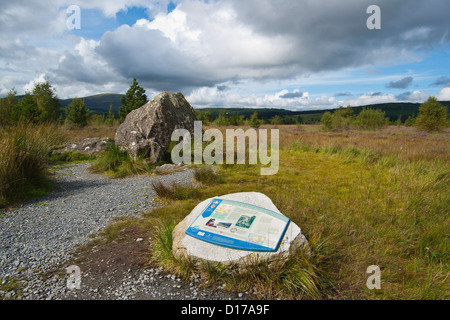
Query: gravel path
[(40, 234)]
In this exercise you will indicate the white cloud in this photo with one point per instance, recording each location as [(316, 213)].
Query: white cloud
[(259, 46), (370, 98), (197, 44), (213, 97), (444, 95), (415, 96), (30, 85)]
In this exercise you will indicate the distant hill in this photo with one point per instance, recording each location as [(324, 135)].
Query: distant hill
[(392, 110), (100, 103)]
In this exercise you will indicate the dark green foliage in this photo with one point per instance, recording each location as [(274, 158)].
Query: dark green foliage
[(207, 118), (236, 120), (342, 118), (47, 103), (99, 103), (371, 119), (327, 121), (276, 120), (6, 107), (432, 116), (26, 110), (399, 121), (110, 119), (132, 100), (409, 122), (222, 119), (76, 113), (39, 106), (254, 121), (204, 117)]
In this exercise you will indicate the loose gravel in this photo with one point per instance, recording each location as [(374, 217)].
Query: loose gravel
[(37, 235)]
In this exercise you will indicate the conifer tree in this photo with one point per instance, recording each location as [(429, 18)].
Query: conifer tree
[(133, 99)]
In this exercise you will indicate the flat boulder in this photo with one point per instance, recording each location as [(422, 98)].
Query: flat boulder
[(88, 146), (147, 131), (185, 246)]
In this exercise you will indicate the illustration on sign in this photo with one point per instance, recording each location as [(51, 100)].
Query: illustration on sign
[(239, 225)]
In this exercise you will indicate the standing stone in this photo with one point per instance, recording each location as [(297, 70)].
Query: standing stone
[(147, 131), (185, 246)]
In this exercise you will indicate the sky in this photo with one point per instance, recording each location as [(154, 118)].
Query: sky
[(290, 54)]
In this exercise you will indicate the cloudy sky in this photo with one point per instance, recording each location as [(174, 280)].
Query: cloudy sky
[(292, 54)]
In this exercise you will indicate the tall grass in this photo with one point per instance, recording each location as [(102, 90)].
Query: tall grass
[(118, 163), (206, 175), (24, 159), (175, 191)]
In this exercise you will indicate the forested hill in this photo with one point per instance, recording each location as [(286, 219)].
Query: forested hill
[(392, 110), (100, 104)]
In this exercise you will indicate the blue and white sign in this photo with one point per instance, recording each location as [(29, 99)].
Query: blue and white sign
[(239, 225)]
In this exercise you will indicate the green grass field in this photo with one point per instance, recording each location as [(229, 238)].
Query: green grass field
[(358, 207), (362, 198)]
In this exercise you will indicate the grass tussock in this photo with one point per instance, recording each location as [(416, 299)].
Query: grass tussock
[(206, 175), (70, 157), (175, 191), (118, 163), (24, 160)]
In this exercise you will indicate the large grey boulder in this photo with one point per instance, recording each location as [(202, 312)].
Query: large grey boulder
[(185, 246), (147, 131)]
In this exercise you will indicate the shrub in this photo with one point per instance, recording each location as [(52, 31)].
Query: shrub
[(342, 118), (6, 106), (327, 121), (409, 122), (134, 98), (222, 119), (47, 102), (26, 110), (371, 119), (76, 113), (432, 116), (254, 121)]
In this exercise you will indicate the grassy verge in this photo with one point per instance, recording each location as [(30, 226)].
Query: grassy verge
[(24, 160)]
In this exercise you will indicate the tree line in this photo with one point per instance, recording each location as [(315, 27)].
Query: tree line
[(433, 116), (42, 106)]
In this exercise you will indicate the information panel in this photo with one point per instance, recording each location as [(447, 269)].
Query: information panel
[(239, 225)]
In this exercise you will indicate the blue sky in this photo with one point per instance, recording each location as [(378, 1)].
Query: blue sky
[(297, 55)]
